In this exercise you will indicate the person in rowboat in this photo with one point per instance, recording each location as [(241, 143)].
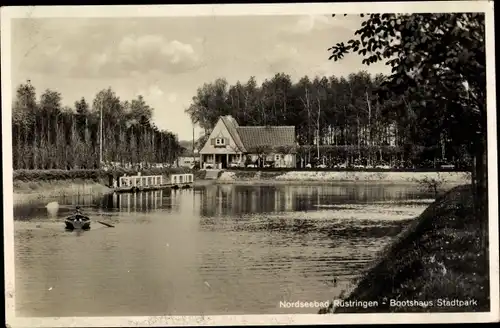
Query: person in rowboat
[(78, 214)]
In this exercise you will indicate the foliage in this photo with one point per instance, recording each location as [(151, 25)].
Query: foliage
[(432, 184), (285, 149), (438, 65), (57, 174), (248, 160), (48, 136), (337, 111)]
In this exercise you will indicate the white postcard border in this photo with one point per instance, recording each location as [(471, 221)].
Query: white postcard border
[(9, 13)]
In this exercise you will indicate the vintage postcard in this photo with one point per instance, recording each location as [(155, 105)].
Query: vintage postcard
[(250, 164)]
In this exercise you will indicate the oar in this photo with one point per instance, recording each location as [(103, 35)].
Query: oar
[(106, 224)]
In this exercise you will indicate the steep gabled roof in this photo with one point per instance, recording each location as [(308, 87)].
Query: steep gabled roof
[(232, 126), (249, 138), (269, 136)]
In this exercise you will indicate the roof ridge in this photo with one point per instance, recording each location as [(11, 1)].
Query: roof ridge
[(267, 126), (227, 120)]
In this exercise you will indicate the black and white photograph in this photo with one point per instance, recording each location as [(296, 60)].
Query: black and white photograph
[(243, 164)]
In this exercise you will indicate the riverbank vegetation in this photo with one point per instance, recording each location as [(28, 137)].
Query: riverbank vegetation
[(50, 175), (439, 257), (438, 69), (47, 135), (28, 181), (27, 191)]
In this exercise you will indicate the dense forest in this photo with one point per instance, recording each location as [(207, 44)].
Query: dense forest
[(438, 61), (47, 135), (336, 118), (430, 109)]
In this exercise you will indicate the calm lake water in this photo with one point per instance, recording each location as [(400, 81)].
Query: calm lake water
[(217, 249)]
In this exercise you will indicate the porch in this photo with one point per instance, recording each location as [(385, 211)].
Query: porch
[(221, 161)]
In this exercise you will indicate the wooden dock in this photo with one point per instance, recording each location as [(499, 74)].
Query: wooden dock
[(138, 183)]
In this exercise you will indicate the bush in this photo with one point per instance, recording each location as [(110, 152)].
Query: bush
[(200, 174), (431, 184), (48, 175)]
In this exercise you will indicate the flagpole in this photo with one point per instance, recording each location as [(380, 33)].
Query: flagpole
[(194, 157), (100, 142)]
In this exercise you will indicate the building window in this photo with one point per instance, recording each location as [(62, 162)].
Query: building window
[(219, 141), (276, 157)]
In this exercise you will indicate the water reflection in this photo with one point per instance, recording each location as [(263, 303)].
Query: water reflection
[(142, 202), (219, 249), (230, 200), (134, 202)]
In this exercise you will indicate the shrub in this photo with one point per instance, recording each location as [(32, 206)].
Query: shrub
[(49, 175)]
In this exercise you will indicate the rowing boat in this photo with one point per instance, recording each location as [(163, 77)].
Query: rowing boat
[(77, 221)]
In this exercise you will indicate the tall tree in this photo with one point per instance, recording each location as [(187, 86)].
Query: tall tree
[(439, 64), (47, 135)]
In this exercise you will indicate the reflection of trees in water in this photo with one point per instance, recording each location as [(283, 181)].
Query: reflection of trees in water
[(234, 200), (238, 200), (184, 201), (134, 202), (181, 200), (146, 201)]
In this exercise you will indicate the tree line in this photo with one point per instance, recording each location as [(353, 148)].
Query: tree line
[(336, 118), (48, 135)]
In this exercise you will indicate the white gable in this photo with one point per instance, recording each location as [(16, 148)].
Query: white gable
[(226, 143)]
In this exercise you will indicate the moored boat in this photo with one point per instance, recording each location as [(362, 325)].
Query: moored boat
[(77, 222)]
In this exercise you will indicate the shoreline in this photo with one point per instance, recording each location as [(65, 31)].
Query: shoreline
[(36, 189), (28, 192), (324, 183)]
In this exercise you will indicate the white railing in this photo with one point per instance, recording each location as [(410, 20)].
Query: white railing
[(154, 180), (181, 178), (141, 181)]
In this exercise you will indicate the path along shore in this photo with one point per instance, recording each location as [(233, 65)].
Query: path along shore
[(457, 178)]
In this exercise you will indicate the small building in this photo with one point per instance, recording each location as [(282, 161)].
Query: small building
[(189, 158), (231, 145)]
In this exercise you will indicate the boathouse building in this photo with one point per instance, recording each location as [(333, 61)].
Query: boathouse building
[(231, 145)]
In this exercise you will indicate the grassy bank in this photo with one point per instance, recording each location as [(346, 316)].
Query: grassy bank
[(50, 175), (439, 257), (28, 191)]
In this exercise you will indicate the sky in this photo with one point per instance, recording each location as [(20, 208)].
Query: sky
[(165, 59)]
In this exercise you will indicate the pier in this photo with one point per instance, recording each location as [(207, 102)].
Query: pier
[(153, 182)]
